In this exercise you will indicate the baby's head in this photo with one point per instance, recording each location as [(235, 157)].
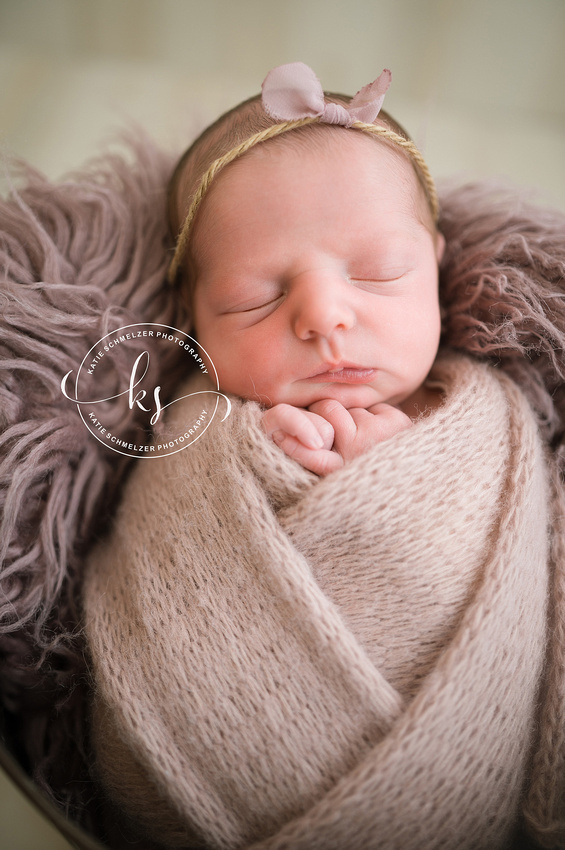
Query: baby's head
[(311, 261)]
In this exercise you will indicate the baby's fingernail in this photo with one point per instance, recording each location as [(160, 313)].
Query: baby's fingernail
[(316, 442), (278, 436)]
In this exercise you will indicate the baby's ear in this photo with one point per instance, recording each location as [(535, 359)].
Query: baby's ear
[(440, 246)]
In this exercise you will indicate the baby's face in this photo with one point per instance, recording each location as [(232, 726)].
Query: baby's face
[(316, 276)]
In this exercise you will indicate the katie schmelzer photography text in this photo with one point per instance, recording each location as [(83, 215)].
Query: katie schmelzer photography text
[(126, 360)]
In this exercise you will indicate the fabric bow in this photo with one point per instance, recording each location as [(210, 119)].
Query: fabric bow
[(291, 92)]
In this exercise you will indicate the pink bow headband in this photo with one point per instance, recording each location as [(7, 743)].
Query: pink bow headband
[(291, 92), (293, 95)]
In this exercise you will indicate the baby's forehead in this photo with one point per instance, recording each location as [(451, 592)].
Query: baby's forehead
[(333, 145), (329, 148), (329, 153)]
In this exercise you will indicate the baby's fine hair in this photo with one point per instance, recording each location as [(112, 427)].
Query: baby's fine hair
[(234, 127)]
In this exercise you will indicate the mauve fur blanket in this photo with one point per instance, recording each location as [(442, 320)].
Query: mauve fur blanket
[(89, 254)]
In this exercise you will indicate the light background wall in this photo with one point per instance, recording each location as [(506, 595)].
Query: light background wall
[(480, 84)]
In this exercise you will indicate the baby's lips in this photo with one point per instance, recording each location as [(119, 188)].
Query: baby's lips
[(326, 368)]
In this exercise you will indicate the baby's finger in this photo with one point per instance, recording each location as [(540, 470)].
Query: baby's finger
[(337, 415), (320, 462), (380, 420), (383, 408), (323, 428), (293, 421), (392, 415)]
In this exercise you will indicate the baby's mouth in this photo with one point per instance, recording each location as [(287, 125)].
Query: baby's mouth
[(346, 373)]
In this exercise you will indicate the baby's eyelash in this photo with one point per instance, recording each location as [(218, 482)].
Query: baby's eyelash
[(264, 304), (375, 281)]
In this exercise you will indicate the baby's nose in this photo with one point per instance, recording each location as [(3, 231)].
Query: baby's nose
[(322, 304)]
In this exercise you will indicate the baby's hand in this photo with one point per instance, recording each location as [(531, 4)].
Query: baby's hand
[(327, 435), (357, 429), (302, 435)]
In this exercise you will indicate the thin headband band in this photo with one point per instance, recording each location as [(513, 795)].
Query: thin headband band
[(304, 99)]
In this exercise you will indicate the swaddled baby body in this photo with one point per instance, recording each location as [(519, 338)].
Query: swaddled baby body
[(305, 627)]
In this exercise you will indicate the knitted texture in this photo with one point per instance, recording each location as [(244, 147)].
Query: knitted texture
[(287, 661)]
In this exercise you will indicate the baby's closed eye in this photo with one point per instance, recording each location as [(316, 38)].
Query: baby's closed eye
[(372, 265)]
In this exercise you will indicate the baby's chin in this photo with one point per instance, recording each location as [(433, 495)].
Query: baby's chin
[(361, 395)]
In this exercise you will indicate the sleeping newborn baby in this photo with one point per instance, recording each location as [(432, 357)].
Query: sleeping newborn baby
[(313, 277), (316, 292), (305, 627)]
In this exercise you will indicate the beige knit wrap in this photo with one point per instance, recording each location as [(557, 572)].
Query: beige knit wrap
[(352, 662)]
